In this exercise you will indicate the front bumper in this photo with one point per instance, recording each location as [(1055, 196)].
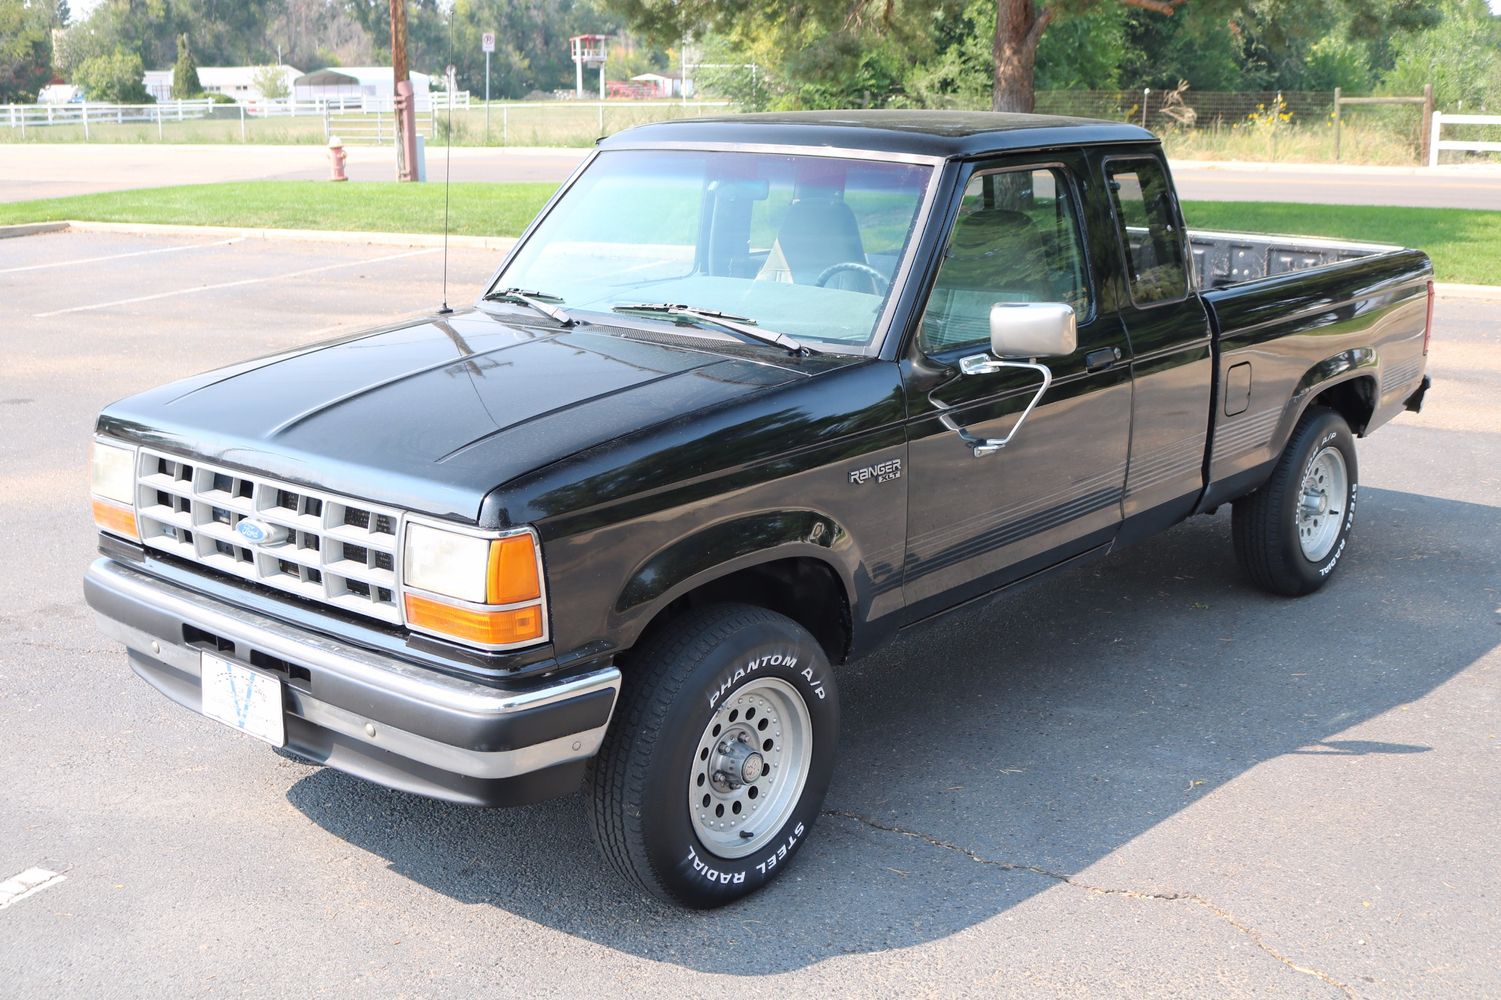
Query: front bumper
[(361, 711), (1415, 401)]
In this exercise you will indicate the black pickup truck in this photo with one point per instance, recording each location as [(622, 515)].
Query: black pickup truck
[(749, 396)]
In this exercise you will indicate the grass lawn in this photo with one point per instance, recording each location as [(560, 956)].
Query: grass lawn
[(1465, 245), (372, 206)]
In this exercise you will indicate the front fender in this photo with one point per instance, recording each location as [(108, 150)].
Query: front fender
[(733, 545)]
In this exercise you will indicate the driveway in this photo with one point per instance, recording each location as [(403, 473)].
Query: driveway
[(1138, 779)]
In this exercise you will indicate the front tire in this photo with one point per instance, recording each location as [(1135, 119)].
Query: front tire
[(1291, 534), (716, 764)]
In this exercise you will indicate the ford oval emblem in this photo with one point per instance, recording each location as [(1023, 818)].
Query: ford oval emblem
[(257, 532)]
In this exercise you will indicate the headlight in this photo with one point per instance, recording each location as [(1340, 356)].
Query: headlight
[(446, 562), (113, 486), (114, 472), (480, 588)]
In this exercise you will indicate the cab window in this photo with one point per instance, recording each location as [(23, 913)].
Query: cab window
[(1148, 227), (1016, 240)]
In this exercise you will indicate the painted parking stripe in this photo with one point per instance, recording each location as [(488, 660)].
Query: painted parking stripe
[(28, 883), (236, 284), (120, 256)]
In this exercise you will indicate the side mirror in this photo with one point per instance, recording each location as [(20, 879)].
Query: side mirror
[(1019, 330), (1032, 329)]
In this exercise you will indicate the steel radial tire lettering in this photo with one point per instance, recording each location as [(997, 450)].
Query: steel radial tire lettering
[(1273, 532), (676, 688)]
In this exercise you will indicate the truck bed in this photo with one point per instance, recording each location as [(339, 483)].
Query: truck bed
[(1289, 313), (1222, 259)]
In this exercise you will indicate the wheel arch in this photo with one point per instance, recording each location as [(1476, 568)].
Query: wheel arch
[(797, 563), (1345, 383)]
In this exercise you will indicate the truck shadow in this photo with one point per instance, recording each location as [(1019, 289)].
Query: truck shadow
[(1043, 731)]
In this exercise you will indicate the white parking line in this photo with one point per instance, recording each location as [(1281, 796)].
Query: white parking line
[(118, 256), (29, 882), (235, 284)]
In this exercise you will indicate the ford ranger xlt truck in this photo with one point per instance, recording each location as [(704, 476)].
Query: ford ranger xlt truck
[(748, 397)]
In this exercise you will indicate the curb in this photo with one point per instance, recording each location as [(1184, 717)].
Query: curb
[(31, 229), (501, 243), (1460, 291)]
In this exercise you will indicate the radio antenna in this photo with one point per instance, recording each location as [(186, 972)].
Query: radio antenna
[(447, 160)]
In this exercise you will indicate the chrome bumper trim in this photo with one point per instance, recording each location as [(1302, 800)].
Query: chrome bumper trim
[(438, 694)]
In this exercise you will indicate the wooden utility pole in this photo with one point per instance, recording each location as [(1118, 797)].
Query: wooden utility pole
[(399, 69), (406, 124)]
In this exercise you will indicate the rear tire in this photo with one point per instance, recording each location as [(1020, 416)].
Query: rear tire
[(1291, 534), (716, 763)]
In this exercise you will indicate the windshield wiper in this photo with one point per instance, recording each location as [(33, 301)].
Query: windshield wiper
[(743, 325), (536, 300)]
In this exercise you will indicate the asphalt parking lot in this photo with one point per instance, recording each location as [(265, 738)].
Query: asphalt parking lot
[(1140, 779)]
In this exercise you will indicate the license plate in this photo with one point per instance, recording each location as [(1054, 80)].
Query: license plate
[(246, 699)]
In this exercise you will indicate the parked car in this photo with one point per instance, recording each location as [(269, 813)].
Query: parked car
[(751, 395)]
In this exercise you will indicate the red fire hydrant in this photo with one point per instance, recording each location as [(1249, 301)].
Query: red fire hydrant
[(336, 157)]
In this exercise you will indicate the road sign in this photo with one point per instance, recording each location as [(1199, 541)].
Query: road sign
[(487, 41)]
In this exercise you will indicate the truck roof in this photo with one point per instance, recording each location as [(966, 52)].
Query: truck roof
[(927, 133)]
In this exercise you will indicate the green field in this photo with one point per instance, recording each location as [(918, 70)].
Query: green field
[(370, 206), (1465, 245)]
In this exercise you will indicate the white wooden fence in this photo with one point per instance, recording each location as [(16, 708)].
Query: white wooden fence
[(1440, 119), (85, 113)]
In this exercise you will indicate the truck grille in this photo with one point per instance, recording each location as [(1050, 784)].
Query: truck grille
[(334, 549)]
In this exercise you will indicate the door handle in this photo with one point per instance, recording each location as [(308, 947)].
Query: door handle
[(1103, 358)]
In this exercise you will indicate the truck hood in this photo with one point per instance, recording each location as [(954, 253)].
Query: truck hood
[(432, 416)]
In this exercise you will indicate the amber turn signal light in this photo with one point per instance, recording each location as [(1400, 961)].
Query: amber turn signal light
[(488, 628), (513, 571), (114, 517)]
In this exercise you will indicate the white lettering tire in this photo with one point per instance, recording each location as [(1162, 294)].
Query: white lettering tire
[(1292, 533), (724, 685)]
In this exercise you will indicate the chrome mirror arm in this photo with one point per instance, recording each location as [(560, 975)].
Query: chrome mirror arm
[(984, 364)]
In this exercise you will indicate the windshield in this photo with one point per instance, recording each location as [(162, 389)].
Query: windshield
[(801, 245)]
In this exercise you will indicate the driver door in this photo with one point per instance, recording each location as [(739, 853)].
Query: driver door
[(1054, 491)]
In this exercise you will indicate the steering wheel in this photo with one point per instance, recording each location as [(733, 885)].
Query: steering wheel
[(875, 276)]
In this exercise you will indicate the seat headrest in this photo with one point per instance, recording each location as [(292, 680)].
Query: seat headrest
[(816, 234)]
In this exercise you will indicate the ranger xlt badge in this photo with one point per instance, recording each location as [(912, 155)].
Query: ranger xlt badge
[(881, 472)]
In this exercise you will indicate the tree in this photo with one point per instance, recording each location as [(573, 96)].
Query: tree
[(25, 50), (63, 14), (1459, 56), (271, 81), (823, 46), (1019, 27), (118, 78), (185, 82)]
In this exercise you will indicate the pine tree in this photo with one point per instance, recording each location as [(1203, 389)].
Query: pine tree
[(185, 83)]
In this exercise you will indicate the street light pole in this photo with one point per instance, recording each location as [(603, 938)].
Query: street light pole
[(487, 42)]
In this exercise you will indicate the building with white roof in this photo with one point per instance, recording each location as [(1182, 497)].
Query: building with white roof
[(337, 82), (239, 82)]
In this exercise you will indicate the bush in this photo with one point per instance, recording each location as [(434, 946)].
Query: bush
[(116, 78)]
